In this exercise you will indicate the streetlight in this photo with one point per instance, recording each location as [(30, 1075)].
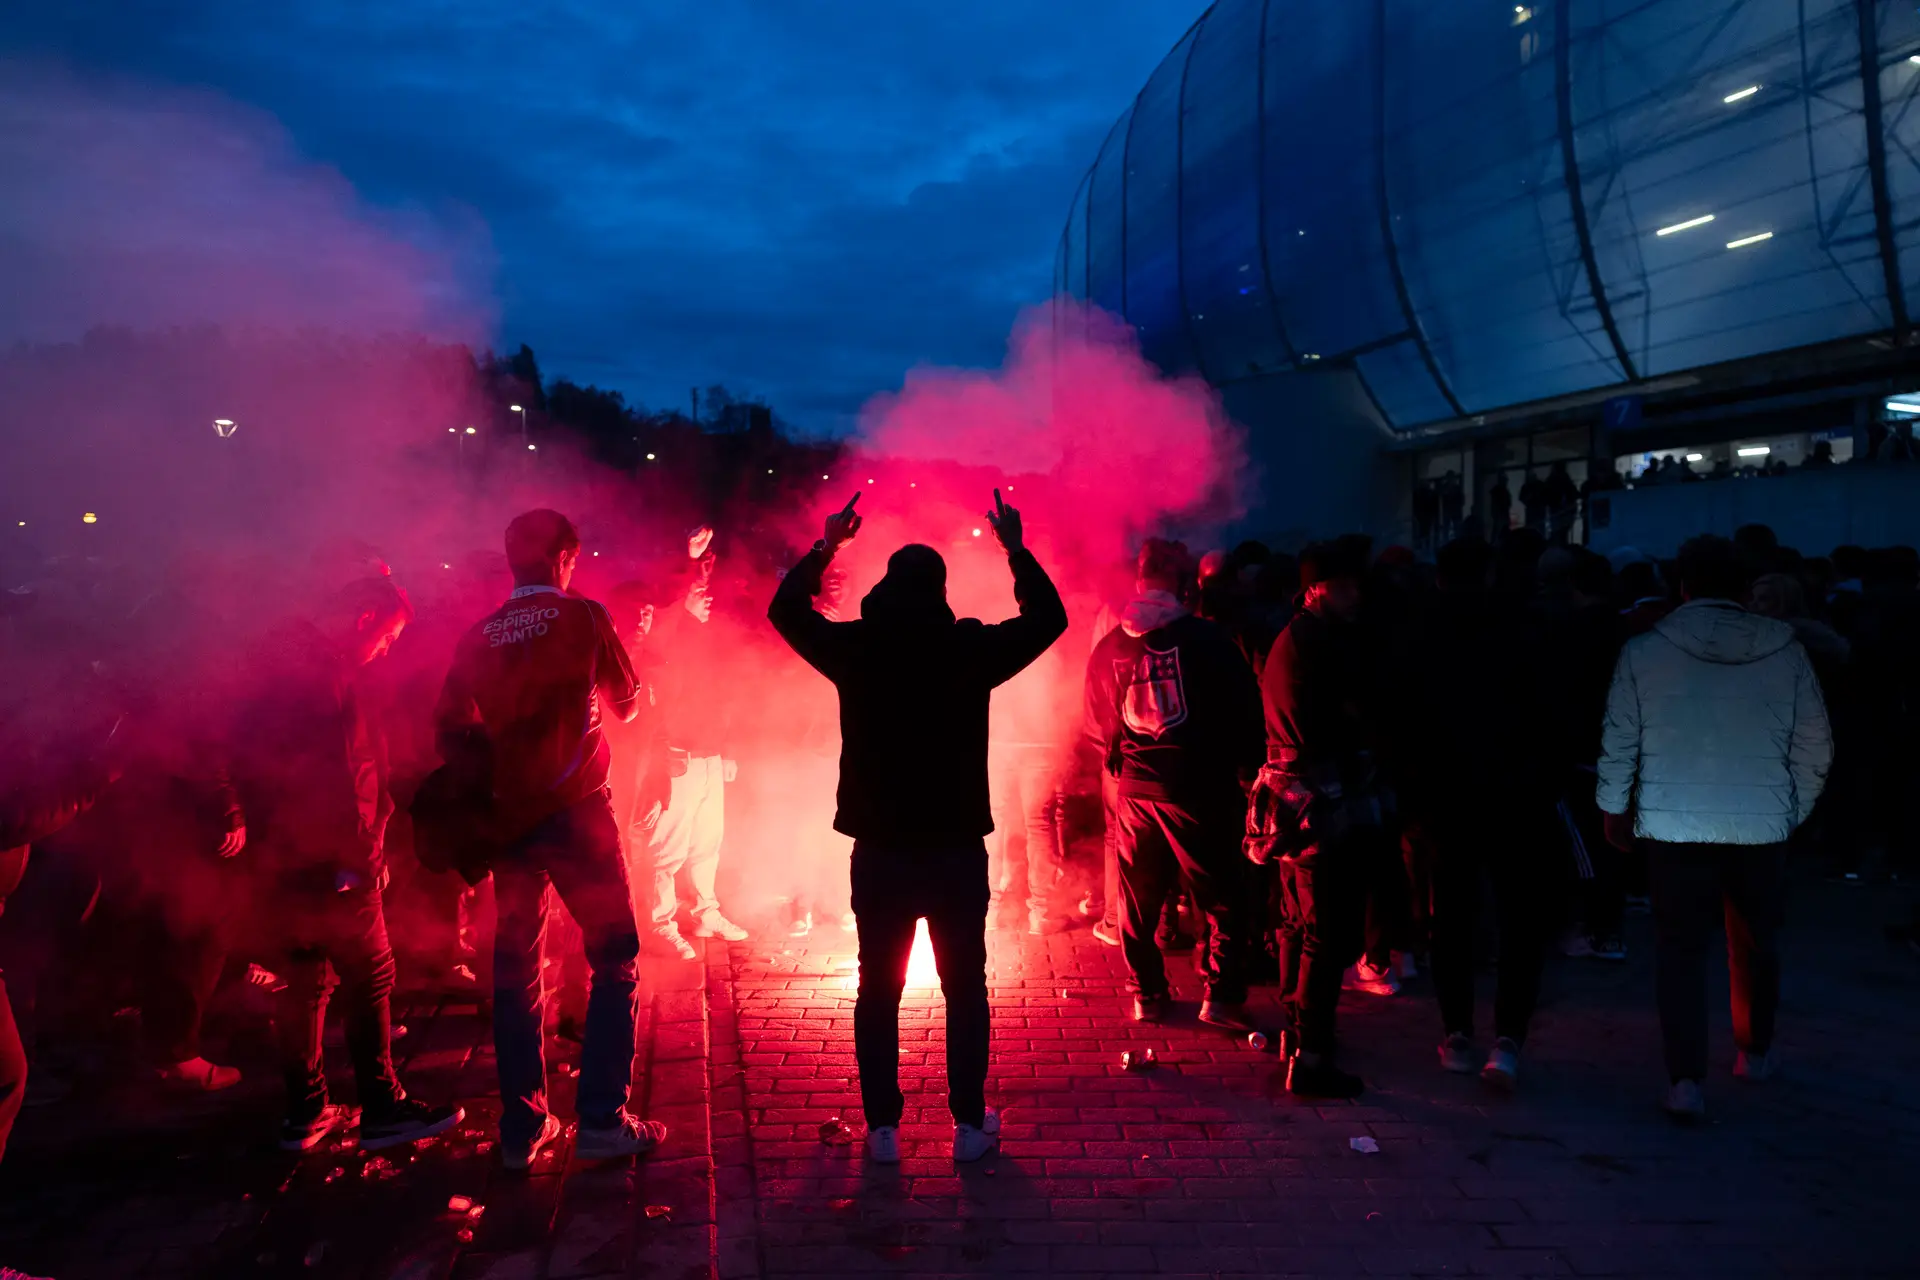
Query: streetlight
[(224, 427), (89, 518), (514, 408), (649, 457)]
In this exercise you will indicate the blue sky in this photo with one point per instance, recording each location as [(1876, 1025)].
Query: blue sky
[(801, 199)]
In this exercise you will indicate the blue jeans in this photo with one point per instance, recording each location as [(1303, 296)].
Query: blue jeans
[(577, 852)]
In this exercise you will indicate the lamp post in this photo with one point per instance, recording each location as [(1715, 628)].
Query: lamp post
[(521, 410), (224, 427)]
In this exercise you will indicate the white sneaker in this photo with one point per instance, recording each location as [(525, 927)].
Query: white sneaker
[(631, 1137), (1502, 1072), (667, 937), (883, 1144), (1457, 1056), (969, 1143), (714, 925), (1755, 1067), (1685, 1102), (519, 1156), (1365, 978)]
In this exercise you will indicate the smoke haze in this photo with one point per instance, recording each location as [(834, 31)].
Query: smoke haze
[(177, 262)]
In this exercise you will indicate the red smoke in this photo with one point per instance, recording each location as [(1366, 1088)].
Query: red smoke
[(257, 287)]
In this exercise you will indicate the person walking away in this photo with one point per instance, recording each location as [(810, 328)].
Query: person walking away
[(1479, 785), (915, 686), (525, 698), (310, 770), (1178, 710), (696, 687), (1715, 749), (1321, 782)]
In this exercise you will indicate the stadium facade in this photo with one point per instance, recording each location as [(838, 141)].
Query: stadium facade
[(1418, 244)]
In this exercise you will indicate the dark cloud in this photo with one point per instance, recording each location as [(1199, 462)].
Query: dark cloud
[(800, 200)]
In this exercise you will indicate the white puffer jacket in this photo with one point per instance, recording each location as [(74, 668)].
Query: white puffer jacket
[(1716, 732)]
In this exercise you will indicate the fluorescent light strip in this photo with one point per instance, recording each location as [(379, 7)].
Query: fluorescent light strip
[(1696, 457), (1737, 95), (1755, 451), (1700, 221), (1744, 241)]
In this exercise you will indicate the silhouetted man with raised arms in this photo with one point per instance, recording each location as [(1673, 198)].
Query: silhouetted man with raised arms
[(914, 685)]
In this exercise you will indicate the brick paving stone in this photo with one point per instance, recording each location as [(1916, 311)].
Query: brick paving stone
[(1202, 1167), (1205, 1167)]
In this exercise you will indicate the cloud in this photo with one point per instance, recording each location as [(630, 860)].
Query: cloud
[(155, 207), (804, 201)]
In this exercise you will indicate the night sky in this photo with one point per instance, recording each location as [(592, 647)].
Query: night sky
[(799, 200)]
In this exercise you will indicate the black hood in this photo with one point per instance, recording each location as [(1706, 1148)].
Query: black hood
[(914, 592)]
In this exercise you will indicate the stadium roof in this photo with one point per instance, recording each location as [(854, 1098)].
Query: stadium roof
[(1478, 205)]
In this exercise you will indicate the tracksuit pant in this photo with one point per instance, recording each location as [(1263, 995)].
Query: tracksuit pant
[(688, 836), (1195, 843)]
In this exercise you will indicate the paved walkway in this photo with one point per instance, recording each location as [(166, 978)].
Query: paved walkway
[(1198, 1168)]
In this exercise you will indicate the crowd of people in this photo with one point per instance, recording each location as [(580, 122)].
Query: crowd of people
[(1302, 769), (1573, 732)]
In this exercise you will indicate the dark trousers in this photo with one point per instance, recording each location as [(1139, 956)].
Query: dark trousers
[(1322, 901), (576, 853), (1519, 852), (183, 966), (892, 890), (13, 1069), (1110, 850), (1196, 844), (336, 939), (1603, 898), (1695, 887)]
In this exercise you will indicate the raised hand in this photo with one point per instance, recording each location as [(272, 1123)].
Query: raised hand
[(698, 541), (1006, 524), (842, 525)]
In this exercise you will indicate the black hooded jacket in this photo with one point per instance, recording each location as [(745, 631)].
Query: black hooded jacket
[(914, 685)]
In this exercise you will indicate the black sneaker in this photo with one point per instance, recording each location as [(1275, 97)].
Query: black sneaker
[(410, 1120), (1321, 1080), (303, 1133), (1231, 1017), (1151, 1008)]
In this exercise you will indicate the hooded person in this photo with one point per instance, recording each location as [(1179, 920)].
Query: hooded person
[(915, 685), (1319, 808), (1176, 711), (1715, 748)]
